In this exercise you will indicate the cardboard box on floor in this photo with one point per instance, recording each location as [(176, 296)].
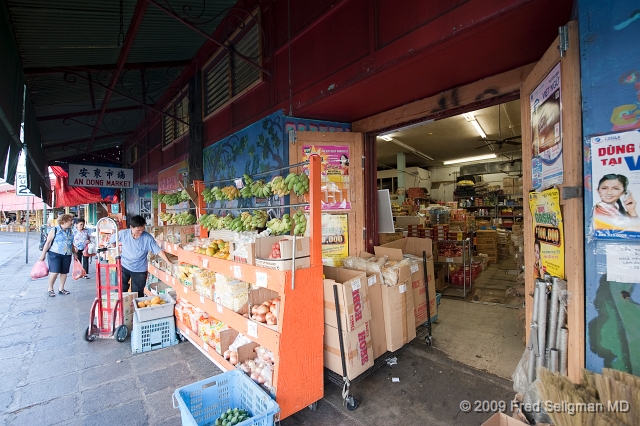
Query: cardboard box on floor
[(413, 248), (501, 419), (397, 305), (388, 237), (357, 350), (353, 295), (376, 324)]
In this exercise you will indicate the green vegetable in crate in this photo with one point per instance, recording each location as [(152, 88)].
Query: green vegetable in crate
[(232, 417)]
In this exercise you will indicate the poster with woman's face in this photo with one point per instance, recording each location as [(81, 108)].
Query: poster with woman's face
[(616, 185)]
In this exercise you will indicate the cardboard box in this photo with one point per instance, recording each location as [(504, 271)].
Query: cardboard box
[(518, 181), (353, 295), (376, 324), (439, 278), (517, 190), (414, 248), (357, 347), (247, 248), (501, 419), (245, 352), (388, 237), (399, 317), (263, 249), (404, 221), (508, 190), (508, 181), (187, 234), (127, 307)]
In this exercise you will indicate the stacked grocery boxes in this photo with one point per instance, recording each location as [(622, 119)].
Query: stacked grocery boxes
[(487, 243), (440, 232), (504, 244), (512, 186)]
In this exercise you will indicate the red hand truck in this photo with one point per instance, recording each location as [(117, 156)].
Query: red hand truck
[(105, 315)]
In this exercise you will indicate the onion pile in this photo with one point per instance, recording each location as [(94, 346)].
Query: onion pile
[(267, 312), (260, 369), (232, 356)]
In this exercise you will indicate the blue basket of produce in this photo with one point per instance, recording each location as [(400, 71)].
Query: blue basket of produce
[(227, 399)]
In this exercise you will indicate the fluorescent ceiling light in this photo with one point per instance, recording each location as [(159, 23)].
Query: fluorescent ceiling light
[(408, 148), (481, 132), (467, 159), (468, 116), (386, 138)]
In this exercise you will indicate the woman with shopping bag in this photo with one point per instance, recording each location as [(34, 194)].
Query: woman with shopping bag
[(60, 249)]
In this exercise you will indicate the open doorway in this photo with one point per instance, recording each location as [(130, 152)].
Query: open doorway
[(458, 180)]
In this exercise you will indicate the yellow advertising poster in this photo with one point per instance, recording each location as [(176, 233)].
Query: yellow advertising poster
[(335, 239), (548, 232)]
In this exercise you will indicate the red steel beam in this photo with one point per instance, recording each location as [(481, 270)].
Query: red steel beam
[(138, 14), (97, 138), (108, 67), (85, 113)]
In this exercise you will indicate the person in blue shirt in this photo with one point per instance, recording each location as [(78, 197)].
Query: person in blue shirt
[(135, 244), (81, 239), (60, 247)]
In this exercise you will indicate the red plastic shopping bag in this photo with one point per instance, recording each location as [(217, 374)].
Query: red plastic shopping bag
[(78, 270), (39, 270)]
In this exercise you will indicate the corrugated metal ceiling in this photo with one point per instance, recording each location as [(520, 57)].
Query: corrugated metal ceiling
[(84, 34)]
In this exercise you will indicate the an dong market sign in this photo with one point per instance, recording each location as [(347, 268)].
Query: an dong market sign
[(90, 176)]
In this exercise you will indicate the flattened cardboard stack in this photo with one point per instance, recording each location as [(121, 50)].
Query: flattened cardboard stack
[(487, 243), (355, 313), (517, 235)]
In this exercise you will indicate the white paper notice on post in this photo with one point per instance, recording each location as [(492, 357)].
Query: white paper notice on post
[(623, 263)]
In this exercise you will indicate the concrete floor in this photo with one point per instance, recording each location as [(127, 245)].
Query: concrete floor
[(51, 376)]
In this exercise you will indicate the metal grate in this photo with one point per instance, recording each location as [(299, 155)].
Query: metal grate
[(217, 80)]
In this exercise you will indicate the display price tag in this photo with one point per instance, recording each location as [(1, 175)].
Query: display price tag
[(261, 279), (237, 271), (371, 280), (186, 331), (239, 183), (449, 259), (202, 299), (205, 263), (252, 329), (206, 347), (414, 268), (403, 288), (219, 306), (185, 290), (356, 285)]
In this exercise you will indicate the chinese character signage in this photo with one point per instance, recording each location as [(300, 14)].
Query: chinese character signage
[(335, 239), (90, 176), (334, 175), (169, 179), (615, 173), (546, 128), (548, 246)]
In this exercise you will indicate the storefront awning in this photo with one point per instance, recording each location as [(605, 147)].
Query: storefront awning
[(10, 202), (68, 196)]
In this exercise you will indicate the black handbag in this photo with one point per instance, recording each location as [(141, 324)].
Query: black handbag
[(43, 238)]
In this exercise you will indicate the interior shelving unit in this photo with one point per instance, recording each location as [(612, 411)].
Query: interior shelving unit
[(297, 340)]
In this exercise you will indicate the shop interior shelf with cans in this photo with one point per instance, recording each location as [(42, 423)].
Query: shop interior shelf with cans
[(246, 299)]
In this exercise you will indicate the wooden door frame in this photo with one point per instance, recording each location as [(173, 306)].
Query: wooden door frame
[(572, 209)]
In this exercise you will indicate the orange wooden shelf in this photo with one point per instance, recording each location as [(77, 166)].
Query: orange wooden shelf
[(275, 279), (167, 247), (210, 352), (296, 341), (264, 335)]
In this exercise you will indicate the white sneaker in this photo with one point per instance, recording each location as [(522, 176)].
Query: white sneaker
[(86, 277)]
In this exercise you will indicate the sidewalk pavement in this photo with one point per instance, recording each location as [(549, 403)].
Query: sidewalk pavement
[(52, 376)]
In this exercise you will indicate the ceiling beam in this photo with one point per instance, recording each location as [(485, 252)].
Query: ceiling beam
[(138, 14), (75, 141), (85, 113), (108, 67)]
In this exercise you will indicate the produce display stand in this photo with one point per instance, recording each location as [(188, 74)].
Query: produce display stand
[(106, 328), (297, 339)]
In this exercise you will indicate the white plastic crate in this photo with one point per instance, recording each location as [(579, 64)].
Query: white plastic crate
[(156, 334), (154, 312)]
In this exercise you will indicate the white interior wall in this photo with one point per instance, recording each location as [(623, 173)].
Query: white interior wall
[(416, 177), (444, 192)]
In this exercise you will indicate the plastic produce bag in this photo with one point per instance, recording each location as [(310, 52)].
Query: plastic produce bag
[(39, 270), (78, 270)]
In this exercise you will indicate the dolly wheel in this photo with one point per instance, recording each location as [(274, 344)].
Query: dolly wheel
[(88, 336), (121, 333), (352, 403), (429, 340), (314, 406)]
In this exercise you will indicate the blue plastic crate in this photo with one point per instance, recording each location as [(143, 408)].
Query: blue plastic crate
[(155, 334), (203, 402)]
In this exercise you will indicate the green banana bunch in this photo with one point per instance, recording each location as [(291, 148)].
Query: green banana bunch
[(230, 192), (247, 221), (280, 226), (208, 196), (166, 217), (170, 199), (217, 193), (184, 195), (259, 219), (260, 189), (237, 225), (226, 221), (279, 186), (299, 183), (300, 223), (184, 218)]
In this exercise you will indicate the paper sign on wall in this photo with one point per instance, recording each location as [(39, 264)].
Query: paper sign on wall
[(335, 239), (548, 232), (623, 263)]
